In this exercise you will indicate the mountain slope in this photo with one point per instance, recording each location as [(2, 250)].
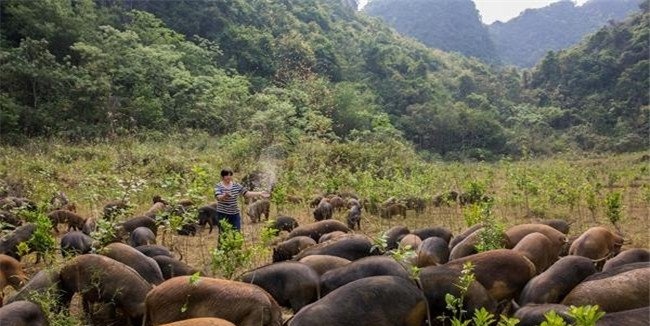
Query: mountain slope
[(449, 25), (602, 84), (524, 40)]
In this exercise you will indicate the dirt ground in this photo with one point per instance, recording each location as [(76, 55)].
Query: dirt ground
[(196, 250)]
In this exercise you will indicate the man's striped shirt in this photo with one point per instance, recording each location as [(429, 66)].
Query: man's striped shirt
[(229, 205)]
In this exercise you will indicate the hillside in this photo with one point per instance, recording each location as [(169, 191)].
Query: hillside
[(449, 25), (264, 75), (291, 69), (605, 76), (524, 40), (455, 26)]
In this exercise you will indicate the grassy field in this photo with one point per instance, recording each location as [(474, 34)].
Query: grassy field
[(188, 166), (569, 187)]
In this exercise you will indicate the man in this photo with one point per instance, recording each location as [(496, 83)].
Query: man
[(226, 193)]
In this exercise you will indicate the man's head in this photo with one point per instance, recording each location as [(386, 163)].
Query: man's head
[(226, 174)]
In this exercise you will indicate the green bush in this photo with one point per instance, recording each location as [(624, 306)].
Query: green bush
[(480, 317), (47, 300), (455, 304), (230, 255), (268, 233), (583, 316), (491, 235), (613, 207), (42, 241), (105, 233), (586, 315)]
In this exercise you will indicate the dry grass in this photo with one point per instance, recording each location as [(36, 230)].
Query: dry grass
[(196, 250)]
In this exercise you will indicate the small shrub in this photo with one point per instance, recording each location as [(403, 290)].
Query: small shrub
[(57, 317), (129, 187), (473, 214), (455, 304), (195, 278), (583, 316), (586, 315), (268, 233), (403, 255), (613, 207), (592, 192), (414, 272), (104, 233), (491, 236), (230, 254), (508, 321), (380, 243), (279, 194), (475, 191), (200, 180), (553, 319), (42, 241), (23, 248), (481, 317)]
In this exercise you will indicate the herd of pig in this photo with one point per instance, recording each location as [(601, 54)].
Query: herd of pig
[(326, 274)]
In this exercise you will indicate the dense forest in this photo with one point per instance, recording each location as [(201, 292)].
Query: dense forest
[(278, 73), (600, 85)]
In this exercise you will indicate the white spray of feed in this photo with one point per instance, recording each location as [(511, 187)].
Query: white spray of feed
[(269, 176), (268, 166)]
